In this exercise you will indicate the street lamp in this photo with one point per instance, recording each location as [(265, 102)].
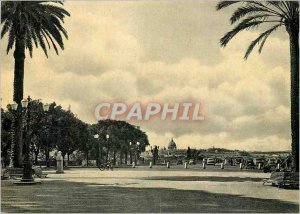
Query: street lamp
[(49, 116), (27, 166), (46, 107), (96, 136), (14, 106), (130, 150), (107, 138), (137, 150), (25, 102)]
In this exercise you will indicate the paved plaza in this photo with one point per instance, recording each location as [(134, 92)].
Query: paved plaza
[(149, 190)]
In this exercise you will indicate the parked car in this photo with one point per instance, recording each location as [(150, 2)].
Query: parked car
[(179, 162), (268, 168), (272, 162), (238, 160), (211, 161), (249, 164), (219, 161), (258, 161)]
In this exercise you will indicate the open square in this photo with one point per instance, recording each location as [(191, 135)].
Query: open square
[(149, 190)]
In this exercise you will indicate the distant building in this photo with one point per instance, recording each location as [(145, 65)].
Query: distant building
[(172, 145), (171, 151)]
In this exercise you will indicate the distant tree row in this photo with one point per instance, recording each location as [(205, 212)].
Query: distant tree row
[(61, 130), (118, 139)]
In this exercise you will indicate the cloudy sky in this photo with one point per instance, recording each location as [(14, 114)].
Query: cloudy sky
[(167, 52)]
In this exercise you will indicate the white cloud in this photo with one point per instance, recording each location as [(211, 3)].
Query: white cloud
[(113, 55)]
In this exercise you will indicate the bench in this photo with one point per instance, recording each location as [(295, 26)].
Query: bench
[(283, 179), (39, 173), (15, 173), (4, 174)]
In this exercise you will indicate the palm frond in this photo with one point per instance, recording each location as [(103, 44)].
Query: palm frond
[(265, 5), (59, 27), (254, 13), (224, 4), (280, 7), (34, 37), (5, 28), (262, 38), (53, 43), (57, 11), (248, 10), (42, 43), (242, 26), (29, 41), (11, 39), (38, 22), (45, 36)]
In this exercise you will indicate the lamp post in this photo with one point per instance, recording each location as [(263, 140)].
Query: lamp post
[(133, 162), (46, 110), (27, 165), (130, 149), (137, 150), (134, 147), (96, 136), (107, 140), (46, 107)]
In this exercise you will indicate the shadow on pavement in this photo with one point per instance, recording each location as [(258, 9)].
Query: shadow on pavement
[(204, 178), (64, 196)]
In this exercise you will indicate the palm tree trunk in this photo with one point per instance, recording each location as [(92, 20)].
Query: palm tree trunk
[(19, 55), (294, 52)]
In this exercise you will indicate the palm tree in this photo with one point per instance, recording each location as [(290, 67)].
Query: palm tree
[(252, 14), (26, 23)]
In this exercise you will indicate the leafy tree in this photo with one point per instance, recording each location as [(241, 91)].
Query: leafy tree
[(188, 153), (252, 14), (6, 125), (88, 142), (37, 126), (69, 131), (48, 136), (155, 155), (120, 134), (27, 23)]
